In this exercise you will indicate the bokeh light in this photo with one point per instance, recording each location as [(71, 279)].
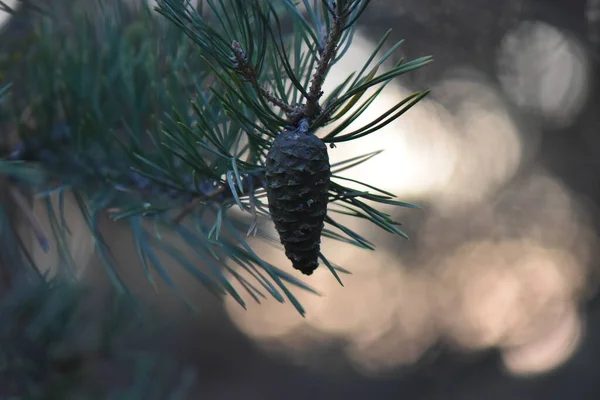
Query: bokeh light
[(501, 262), (544, 71), (5, 16), (424, 150)]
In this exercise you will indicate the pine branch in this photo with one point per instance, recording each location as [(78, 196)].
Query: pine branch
[(161, 124), (248, 71), (339, 13), (45, 350)]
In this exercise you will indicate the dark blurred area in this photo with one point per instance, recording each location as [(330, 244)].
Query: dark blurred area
[(496, 294)]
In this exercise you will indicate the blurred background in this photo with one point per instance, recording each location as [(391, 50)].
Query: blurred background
[(496, 294)]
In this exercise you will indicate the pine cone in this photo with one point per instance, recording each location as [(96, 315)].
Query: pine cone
[(298, 175)]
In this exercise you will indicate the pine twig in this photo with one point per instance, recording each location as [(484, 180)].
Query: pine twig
[(327, 52), (191, 206), (249, 183), (316, 85), (247, 70)]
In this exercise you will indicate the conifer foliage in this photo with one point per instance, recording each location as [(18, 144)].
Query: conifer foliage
[(168, 119), (157, 120)]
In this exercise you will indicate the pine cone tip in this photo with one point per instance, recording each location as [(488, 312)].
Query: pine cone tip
[(306, 268)]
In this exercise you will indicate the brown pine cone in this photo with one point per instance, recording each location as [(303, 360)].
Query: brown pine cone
[(298, 175)]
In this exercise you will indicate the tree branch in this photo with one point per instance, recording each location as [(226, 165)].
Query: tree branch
[(316, 85), (249, 183), (247, 70)]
